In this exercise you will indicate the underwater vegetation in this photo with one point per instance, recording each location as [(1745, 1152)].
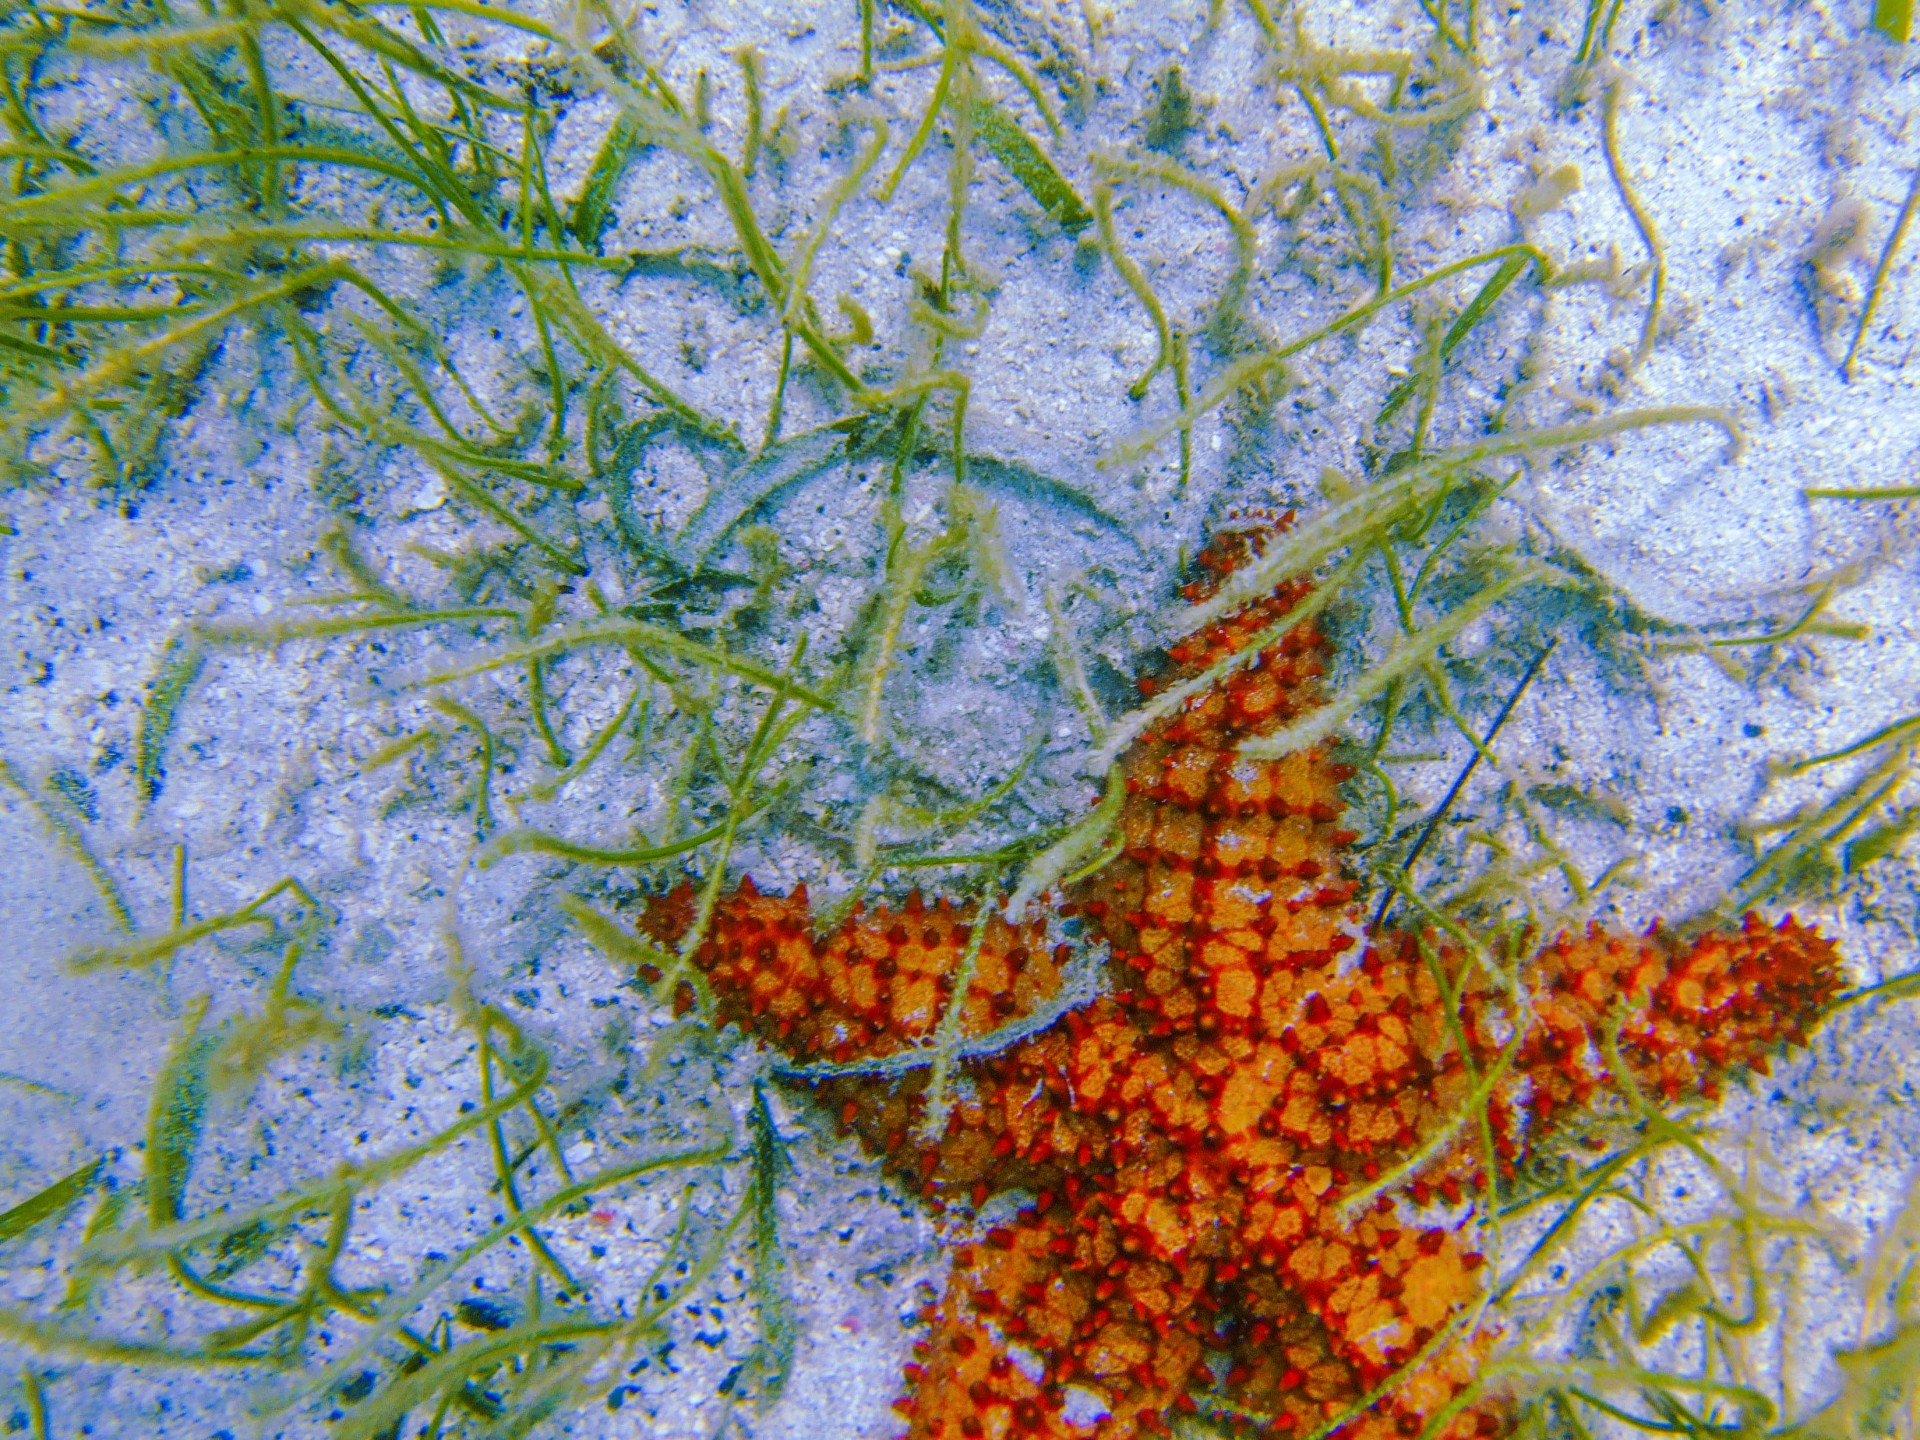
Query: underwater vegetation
[(667, 407)]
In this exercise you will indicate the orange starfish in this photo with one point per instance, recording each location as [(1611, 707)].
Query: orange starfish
[(1189, 1141)]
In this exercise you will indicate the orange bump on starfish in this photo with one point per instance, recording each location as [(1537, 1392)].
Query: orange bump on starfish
[(1188, 1140)]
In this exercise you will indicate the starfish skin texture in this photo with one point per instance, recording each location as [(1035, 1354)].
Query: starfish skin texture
[(1187, 1143)]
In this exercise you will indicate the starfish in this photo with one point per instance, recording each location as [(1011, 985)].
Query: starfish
[(1230, 1161)]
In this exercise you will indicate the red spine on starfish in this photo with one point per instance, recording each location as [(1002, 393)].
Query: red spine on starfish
[(1190, 1140)]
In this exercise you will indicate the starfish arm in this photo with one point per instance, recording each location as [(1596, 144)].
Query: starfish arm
[(867, 1002), (1681, 1017), (1351, 1308), (877, 984), (1030, 1310)]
